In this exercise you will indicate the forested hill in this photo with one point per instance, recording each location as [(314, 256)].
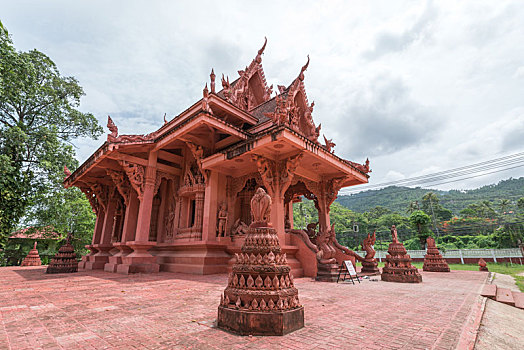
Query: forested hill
[(399, 198)]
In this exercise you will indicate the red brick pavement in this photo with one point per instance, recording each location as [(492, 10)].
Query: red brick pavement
[(95, 309)]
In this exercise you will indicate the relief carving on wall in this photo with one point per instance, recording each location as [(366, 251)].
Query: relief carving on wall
[(91, 197), (198, 153), (136, 175), (277, 176), (122, 184)]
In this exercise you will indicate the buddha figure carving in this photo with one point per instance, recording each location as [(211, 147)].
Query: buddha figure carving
[(222, 220), (260, 208)]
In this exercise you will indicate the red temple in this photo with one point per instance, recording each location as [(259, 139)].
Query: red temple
[(178, 199)]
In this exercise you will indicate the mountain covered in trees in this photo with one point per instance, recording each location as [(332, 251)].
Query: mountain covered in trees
[(488, 217), (398, 199)]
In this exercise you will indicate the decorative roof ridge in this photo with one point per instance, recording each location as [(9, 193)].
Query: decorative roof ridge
[(278, 128), (109, 145), (240, 92)]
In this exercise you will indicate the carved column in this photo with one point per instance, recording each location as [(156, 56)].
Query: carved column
[(140, 260), (290, 213), (178, 208), (97, 234), (146, 206), (99, 194), (130, 217), (277, 177), (161, 228), (210, 208), (96, 238), (199, 211), (102, 257), (128, 232)]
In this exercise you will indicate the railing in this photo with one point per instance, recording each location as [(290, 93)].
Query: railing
[(460, 254)]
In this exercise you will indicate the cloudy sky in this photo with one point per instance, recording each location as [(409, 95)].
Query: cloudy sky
[(418, 87)]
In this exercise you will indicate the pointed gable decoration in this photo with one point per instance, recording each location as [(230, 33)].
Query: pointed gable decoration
[(250, 90), (294, 110)]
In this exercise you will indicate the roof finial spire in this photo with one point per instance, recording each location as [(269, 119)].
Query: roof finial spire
[(258, 59), (212, 76), (301, 75)]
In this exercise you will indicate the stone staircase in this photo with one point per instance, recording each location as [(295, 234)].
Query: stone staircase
[(504, 295)]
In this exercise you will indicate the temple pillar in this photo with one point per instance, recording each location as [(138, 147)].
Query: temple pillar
[(323, 219), (199, 211), (161, 228), (128, 233), (140, 260), (102, 257), (290, 213), (99, 223), (278, 217), (323, 214), (209, 223), (146, 206), (178, 208), (130, 217)]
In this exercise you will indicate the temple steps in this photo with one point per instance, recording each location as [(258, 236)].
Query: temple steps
[(503, 295)]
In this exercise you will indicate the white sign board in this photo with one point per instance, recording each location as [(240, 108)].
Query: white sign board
[(351, 269)]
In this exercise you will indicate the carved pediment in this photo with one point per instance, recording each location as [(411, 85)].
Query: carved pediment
[(293, 109), (250, 89)]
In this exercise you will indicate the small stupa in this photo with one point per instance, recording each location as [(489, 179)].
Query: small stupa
[(482, 265), (433, 260), (398, 266), (33, 258), (260, 298), (65, 260)]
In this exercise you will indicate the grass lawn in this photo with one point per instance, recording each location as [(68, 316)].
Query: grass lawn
[(505, 268)]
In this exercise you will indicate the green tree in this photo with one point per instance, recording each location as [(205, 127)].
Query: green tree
[(520, 204), (480, 210), (504, 203), (38, 120), (64, 210), (429, 200), (412, 207), (420, 221)]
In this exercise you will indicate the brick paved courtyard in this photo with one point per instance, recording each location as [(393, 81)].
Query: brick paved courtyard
[(176, 311)]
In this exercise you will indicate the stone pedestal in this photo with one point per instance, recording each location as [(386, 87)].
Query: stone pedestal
[(82, 264), (370, 268), (260, 298), (398, 266), (327, 272), (116, 259), (433, 260), (246, 322), (140, 260), (32, 258), (64, 261), (98, 260)]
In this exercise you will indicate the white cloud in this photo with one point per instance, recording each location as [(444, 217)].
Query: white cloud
[(412, 85)]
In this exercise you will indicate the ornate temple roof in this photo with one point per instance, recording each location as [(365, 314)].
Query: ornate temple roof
[(233, 118)]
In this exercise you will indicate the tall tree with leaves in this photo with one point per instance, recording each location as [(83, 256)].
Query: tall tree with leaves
[(39, 118), (420, 221), (504, 204)]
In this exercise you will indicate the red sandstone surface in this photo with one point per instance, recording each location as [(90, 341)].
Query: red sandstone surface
[(97, 309)]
